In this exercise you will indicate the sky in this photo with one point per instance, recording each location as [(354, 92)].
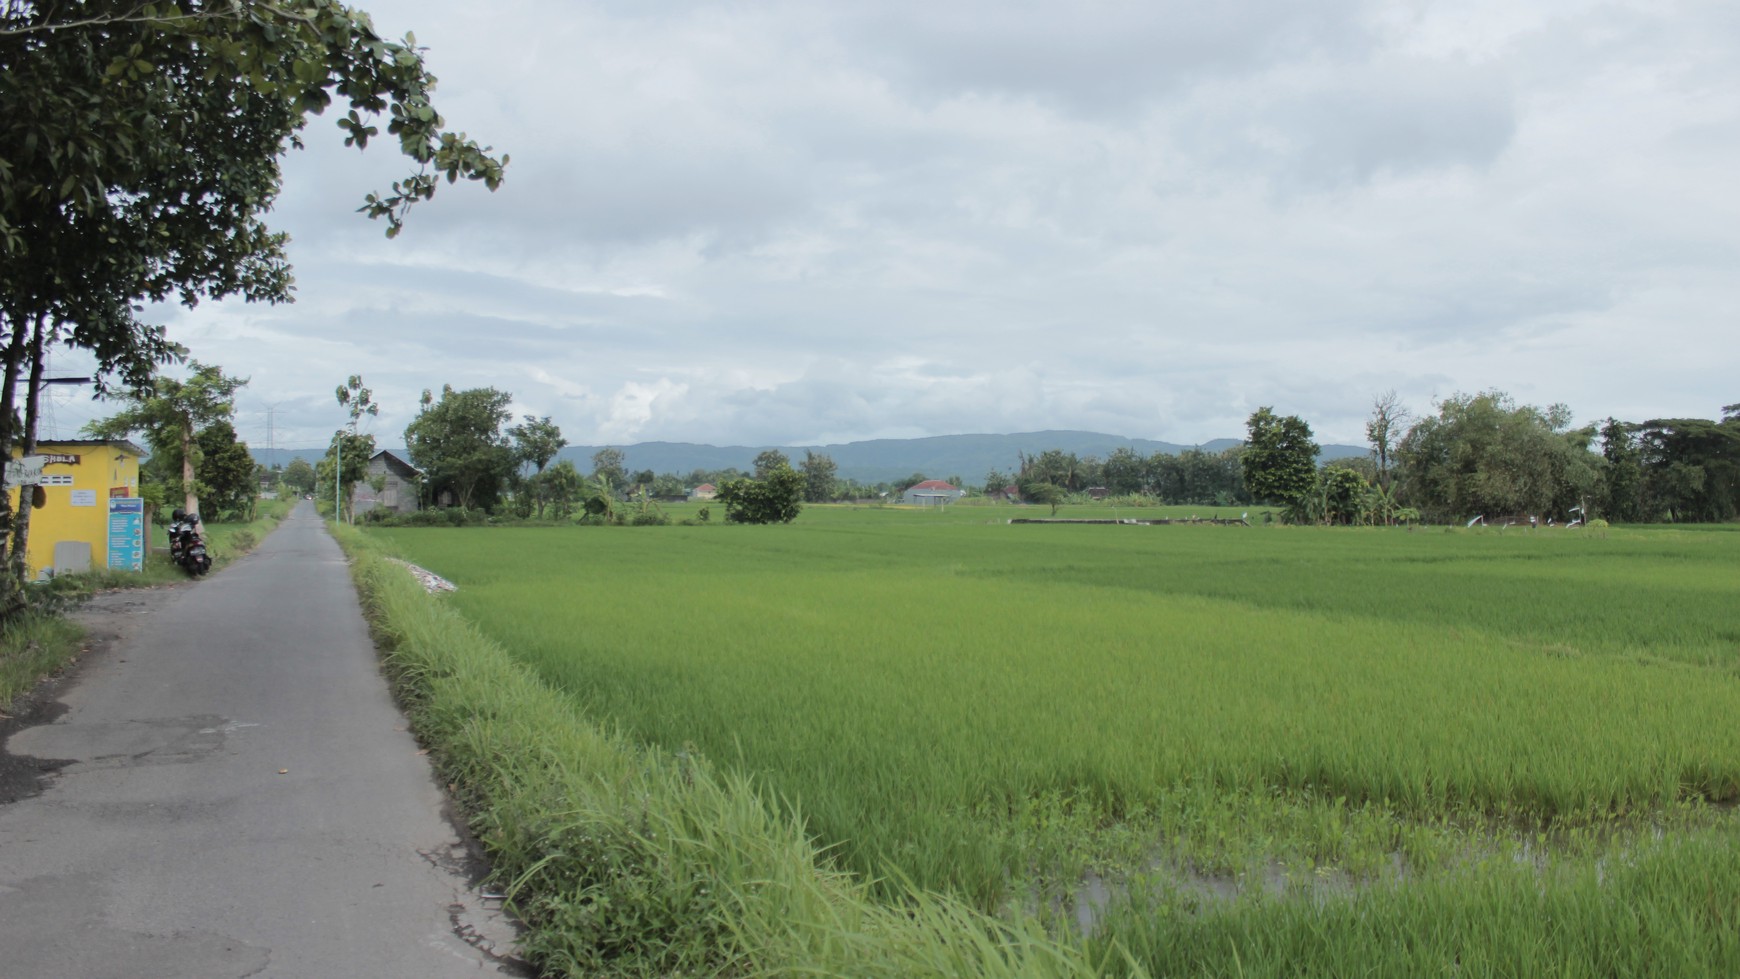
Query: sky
[(766, 223)]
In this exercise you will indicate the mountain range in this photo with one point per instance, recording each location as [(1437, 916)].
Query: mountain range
[(876, 460)]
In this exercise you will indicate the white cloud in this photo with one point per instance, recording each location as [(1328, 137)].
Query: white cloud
[(797, 223)]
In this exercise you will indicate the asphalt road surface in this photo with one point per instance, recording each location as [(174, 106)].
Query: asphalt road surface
[(240, 798)]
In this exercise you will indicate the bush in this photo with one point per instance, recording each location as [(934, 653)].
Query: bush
[(775, 498), (437, 517)]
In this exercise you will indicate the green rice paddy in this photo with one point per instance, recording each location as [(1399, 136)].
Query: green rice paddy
[(1216, 750)]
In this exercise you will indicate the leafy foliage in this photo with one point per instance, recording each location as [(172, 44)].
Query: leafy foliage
[(459, 444), (171, 412), (299, 476), (818, 470), (1280, 459), (775, 498), (225, 472), (1692, 467), (768, 460), (608, 464), (1484, 454)]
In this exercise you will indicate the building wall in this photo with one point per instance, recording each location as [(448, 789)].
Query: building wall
[(76, 505), (931, 497), (396, 493)]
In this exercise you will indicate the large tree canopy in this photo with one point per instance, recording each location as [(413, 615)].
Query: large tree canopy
[(141, 155), (1692, 467), (1484, 454), (171, 414), (143, 144), (1280, 458), (459, 444)]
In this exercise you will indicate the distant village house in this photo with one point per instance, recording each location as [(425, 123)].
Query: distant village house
[(705, 491), (932, 492)]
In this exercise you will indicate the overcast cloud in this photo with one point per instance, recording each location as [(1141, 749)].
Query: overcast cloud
[(768, 223)]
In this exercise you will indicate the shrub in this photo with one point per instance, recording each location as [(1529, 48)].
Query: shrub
[(775, 498)]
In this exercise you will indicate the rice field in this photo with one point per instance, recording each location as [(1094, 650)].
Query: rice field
[(1209, 748)]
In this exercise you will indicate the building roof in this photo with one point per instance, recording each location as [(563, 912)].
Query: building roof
[(933, 484), (706, 486), (393, 461), (122, 444)]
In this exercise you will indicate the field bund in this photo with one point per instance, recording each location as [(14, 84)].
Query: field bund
[(1185, 749)]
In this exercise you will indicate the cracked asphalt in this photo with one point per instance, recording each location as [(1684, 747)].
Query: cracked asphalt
[(226, 788)]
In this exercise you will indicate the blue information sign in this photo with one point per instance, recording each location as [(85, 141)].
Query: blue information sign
[(127, 533)]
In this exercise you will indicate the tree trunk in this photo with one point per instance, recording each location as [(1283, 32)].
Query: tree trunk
[(187, 466), (20, 556), (11, 586)]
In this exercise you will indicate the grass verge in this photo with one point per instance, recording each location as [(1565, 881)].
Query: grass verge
[(629, 860)]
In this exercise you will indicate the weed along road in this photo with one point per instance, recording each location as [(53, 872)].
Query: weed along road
[(239, 798)]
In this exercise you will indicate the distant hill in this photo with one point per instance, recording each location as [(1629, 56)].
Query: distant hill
[(876, 460)]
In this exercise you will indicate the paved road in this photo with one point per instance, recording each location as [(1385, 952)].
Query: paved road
[(173, 846)]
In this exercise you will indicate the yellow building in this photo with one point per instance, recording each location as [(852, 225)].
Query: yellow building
[(89, 513)]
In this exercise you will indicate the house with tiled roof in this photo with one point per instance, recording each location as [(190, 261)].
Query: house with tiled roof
[(705, 491)]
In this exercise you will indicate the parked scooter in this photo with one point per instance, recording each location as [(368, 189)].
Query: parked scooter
[(186, 545)]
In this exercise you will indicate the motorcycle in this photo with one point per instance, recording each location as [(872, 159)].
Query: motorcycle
[(187, 547)]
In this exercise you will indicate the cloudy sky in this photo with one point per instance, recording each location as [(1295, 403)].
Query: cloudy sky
[(810, 222)]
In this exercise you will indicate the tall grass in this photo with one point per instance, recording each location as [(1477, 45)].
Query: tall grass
[(978, 710), (32, 645), (631, 860)]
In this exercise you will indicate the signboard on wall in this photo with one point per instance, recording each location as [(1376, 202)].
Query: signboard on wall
[(127, 533), (26, 471)]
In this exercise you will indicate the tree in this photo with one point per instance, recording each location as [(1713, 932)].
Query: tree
[(1043, 493), (170, 413), (142, 144), (769, 460), (1692, 466), (345, 464), (225, 472), (299, 477), (1280, 459), (560, 487), (1125, 472), (1344, 494), (608, 465), (1384, 430), (774, 498), (1056, 467), (459, 444), (347, 455), (536, 441), (818, 471), (1484, 454)]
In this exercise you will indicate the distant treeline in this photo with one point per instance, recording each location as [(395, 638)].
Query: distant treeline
[(1476, 455), (1473, 455)]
